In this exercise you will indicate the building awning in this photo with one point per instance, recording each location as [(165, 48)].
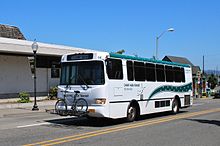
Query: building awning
[(23, 47)]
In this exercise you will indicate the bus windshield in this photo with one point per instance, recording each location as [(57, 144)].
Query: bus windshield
[(82, 73)]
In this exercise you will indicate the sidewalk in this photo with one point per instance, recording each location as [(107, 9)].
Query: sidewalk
[(202, 98), (12, 107)]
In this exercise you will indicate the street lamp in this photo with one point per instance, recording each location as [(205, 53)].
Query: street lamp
[(34, 47), (157, 40)]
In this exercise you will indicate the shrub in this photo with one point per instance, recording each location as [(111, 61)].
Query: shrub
[(24, 97), (53, 92)]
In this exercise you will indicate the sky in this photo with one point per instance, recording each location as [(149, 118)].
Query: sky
[(132, 25)]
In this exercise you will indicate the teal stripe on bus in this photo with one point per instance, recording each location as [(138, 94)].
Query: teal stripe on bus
[(169, 88)]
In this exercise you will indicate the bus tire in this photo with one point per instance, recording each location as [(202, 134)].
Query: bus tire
[(131, 113), (175, 106)]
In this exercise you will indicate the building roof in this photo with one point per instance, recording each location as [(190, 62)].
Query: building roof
[(177, 59), (23, 47), (195, 69)]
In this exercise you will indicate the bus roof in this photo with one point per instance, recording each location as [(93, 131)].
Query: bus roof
[(113, 55)]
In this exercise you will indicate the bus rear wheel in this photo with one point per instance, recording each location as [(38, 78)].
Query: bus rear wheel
[(131, 113), (175, 106)]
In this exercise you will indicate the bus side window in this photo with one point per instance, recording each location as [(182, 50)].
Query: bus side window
[(130, 70), (150, 72), (139, 71), (114, 69), (177, 74), (160, 73), (183, 75), (169, 73)]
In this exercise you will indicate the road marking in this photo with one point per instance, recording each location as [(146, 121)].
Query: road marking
[(31, 125), (43, 123), (120, 128), (198, 104)]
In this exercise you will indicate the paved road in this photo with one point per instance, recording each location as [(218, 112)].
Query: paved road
[(195, 126)]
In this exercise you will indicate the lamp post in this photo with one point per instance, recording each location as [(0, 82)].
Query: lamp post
[(34, 47), (157, 40)]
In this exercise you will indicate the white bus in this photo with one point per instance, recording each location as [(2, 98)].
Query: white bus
[(118, 86)]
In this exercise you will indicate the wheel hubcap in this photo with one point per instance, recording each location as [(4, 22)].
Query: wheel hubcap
[(175, 107), (131, 113)]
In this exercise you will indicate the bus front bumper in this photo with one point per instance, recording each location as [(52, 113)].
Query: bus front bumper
[(97, 111)]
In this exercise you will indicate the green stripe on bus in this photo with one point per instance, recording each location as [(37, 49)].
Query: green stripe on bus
[(167, 88)]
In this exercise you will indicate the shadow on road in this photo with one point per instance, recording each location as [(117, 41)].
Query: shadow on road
[(212, 122), (101, 122)]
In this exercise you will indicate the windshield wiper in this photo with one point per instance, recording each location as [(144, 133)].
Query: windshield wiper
[(80, 77)]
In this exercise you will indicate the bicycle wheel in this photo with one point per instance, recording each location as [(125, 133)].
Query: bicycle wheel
[(81, 105), (61, 107)]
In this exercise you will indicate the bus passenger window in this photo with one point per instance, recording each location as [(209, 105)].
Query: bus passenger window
[(114, 69), (160, 73), (178, 74), (139, 71), (169, 73), (130, 71), (183, 75), (150, 72)]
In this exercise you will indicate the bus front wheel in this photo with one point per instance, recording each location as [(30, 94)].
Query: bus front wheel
[(131, 113)]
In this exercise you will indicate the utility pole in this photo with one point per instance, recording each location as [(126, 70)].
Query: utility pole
[(217, 75), (203, 65), (203, 82)]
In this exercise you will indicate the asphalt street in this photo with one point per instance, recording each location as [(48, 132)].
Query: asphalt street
[(198, 125)]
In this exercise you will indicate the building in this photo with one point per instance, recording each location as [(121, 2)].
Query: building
[(196, 72), (15, 65)]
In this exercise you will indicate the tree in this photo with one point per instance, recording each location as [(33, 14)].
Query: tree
[(212, 80), (120, 51)]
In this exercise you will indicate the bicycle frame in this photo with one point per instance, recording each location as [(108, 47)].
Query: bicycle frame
[(72, 108)]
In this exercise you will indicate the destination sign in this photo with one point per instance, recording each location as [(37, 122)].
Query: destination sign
[(80, 56)]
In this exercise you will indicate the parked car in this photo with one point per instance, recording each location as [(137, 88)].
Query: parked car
[(217, 94), (212, 92)]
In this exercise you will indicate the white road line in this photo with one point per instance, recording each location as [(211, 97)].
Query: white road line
[(44, 123), (32, 125), (198, 104)]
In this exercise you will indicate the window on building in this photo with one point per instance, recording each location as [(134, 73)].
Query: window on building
[(160, 73), (31, 61), (139, 71), (114, 68), (47, 62), (55, 72), (150, 72), (169, 73), (130, 70)]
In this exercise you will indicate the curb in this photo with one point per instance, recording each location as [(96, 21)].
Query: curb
[(27, 105), (14, 100)]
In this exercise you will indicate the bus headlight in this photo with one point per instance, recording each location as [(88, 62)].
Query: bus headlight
[(100, 100)]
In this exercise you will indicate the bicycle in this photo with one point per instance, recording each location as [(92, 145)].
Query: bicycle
[(79, 106)]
